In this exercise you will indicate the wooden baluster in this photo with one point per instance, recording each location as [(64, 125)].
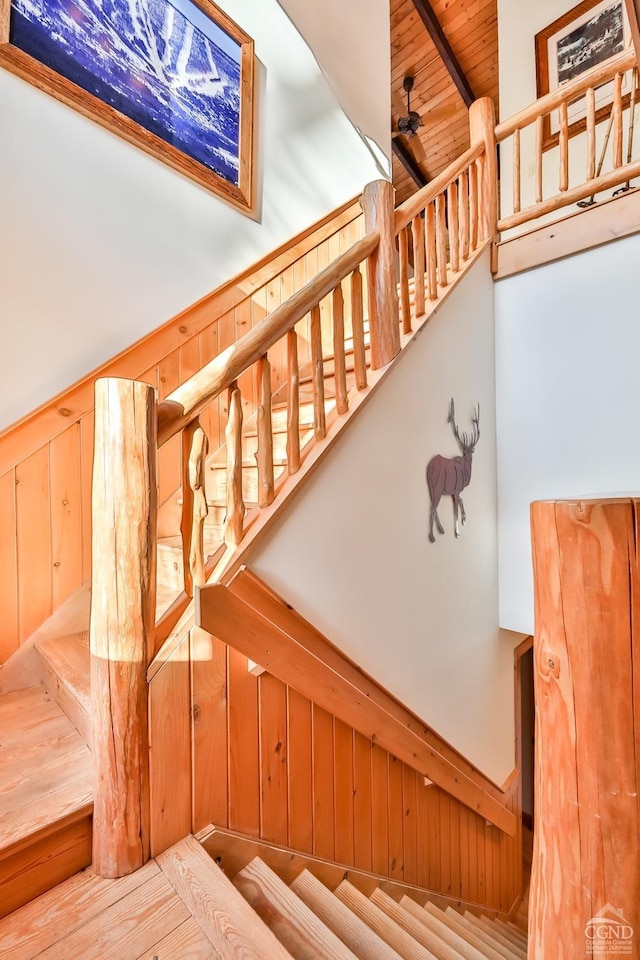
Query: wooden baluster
[(617, 120), (195, 447), (234, 520), (432, 276), (454, 226), (441, 218), (319, 418), (339, 363), (405, 308), (293, 404), (563, 178), (123, 601), (377, 202), (464, 215), (473, 206), (417, 229), (539, 142), (264, 456), (357, 324), (591, 133), (516, 172)]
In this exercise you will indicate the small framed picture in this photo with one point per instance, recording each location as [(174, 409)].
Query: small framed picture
[(583, 38)]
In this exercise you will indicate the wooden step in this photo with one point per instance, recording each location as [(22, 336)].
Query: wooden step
[(46, 798), (66, 676), (517, 930), (299, 930), (170, 566), (468, 944), (462, 923), (386, 928), (511, 932), (343, 922), (231, 926), (415, 928), (492, 929)]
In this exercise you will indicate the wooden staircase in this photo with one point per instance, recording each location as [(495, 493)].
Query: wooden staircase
[(184, 905)]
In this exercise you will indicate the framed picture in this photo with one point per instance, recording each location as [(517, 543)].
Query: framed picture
[(583, 38), (174, 77)]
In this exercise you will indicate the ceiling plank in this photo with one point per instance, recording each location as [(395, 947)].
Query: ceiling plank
[(408, 161), (442, 45)]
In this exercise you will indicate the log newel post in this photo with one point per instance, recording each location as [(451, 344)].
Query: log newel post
[(124, 538), (482, 129), (585, 885), (377, 202)]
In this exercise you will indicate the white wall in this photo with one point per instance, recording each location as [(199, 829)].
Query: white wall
[(100, 243), (351, 552), (352, 42), (568, 397)]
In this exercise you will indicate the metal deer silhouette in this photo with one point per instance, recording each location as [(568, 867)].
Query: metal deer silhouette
[(448, 476)]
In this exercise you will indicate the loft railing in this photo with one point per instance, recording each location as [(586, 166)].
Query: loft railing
[(556, 158), (360, 287)]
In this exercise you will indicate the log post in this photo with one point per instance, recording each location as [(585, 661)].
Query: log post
[(124, 524), (482, 129), (585, 884), (377, 202)]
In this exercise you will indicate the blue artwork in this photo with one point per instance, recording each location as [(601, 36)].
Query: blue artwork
[(167, 66)]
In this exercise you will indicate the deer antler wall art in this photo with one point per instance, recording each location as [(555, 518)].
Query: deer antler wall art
[(448, 476)]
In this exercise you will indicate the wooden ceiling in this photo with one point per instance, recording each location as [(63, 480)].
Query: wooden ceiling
[(471, 29)]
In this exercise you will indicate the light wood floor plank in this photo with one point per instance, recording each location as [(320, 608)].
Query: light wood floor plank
[(58, 912)]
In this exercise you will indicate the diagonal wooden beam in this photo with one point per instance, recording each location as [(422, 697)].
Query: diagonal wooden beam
[(442, 45), (408, 161)]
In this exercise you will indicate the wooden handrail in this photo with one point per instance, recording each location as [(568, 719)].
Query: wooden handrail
[(565, 94), (414, 205), (184, 404)]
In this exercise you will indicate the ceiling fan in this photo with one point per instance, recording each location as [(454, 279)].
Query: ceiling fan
[(408, 121)]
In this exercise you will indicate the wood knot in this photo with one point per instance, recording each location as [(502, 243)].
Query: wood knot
[(64, 412), (196, 711), (550, 666), (182, 329)]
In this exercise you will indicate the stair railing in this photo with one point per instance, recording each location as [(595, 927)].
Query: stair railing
[(131, 427), (554, 120)]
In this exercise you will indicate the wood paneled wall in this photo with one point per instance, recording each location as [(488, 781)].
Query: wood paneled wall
[(251, 754), (46, 459)]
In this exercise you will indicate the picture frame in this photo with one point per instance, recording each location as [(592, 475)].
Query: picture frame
[(173, 77), (585, 37)]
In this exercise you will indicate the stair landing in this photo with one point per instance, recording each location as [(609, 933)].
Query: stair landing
[(46, 798)]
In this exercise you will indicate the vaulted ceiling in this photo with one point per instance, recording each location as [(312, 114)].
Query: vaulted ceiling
[(461, 62)]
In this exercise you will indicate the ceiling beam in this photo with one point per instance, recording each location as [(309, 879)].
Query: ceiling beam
[(408, 161), (431, 22)]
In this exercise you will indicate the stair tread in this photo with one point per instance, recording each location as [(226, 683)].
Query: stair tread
[(489, 938), (228, 921), (344, 923), (297, 927), (468, 945), (493, 929), (67, 677), (390, 931), (50, 780), (415, 928)]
